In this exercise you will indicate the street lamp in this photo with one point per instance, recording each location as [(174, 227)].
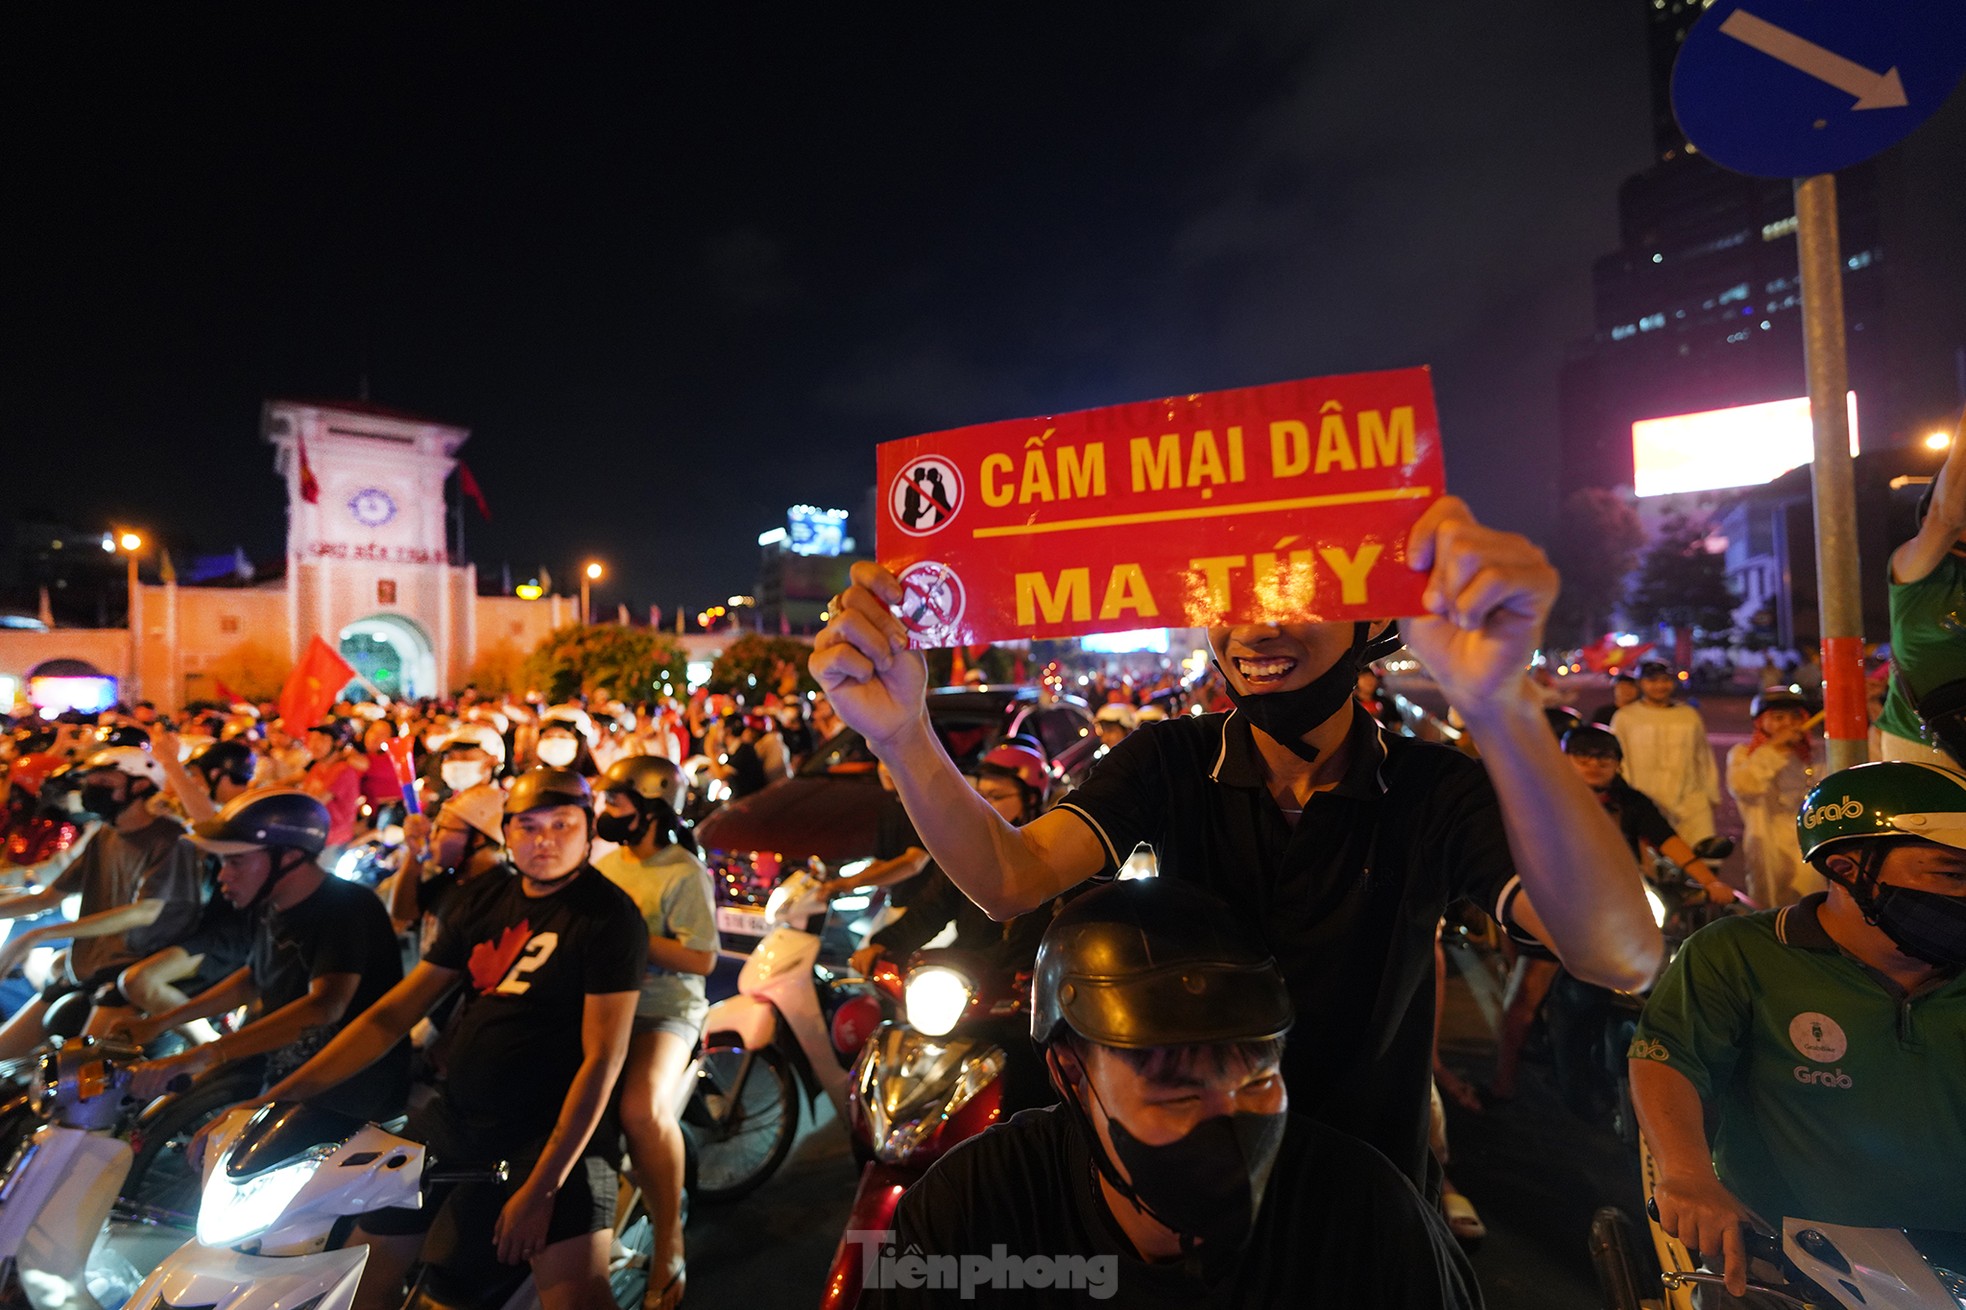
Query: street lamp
[(131, 544), (588, 577)]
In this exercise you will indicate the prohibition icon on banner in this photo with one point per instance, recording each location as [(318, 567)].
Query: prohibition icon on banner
[(925, 495), (932, 602)]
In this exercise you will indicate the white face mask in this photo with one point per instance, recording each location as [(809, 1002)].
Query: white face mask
[(558, 751), (460, 774)]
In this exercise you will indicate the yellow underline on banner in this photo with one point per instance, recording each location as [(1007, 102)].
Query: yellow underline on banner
[(1207, 512)]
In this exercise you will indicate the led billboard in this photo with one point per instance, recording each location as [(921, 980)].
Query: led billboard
[(1744, 446)]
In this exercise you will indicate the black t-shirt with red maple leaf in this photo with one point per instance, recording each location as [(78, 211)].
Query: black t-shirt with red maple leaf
[(529, 964)]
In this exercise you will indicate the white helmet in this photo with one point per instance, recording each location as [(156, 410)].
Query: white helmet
[(1116, 712), (481, 735), (132, 760), (1150, 714), (485, 714), (573, 717), (483, 807)]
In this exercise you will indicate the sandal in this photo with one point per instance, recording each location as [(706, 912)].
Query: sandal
[(659, 1298), (1462, 1220)]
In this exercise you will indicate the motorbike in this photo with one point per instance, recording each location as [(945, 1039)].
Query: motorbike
[(283, 1182), (794, 1022), (1810, 1265), (920, 1087), (61, 1185), (1591, 1027), (373, 857)]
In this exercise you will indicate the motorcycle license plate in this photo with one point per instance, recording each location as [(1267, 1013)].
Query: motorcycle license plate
[(744, 920)]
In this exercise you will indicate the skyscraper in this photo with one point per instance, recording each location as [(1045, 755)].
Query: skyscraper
[(1699, 307)]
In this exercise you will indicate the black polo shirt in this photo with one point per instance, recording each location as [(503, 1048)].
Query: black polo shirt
[(1347, 901)]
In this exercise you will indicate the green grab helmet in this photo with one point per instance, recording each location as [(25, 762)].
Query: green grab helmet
[(1896, 798)]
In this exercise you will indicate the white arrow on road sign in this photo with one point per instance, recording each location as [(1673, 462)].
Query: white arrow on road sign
[(1873, 90)]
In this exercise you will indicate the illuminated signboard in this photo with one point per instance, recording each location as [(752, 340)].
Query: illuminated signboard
[(1744, 446), (810, 530), (1123, 643)]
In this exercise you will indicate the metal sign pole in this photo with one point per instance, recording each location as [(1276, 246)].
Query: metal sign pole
[(1839, 589)]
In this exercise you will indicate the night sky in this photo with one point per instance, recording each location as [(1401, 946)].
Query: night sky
[(676, 276)]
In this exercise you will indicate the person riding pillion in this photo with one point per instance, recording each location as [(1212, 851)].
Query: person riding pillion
[(1170, 1173), (655, 862), (1341, 845)]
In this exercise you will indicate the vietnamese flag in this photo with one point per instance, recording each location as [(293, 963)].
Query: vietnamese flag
[(469, 486), (312, 686), (310, 490)]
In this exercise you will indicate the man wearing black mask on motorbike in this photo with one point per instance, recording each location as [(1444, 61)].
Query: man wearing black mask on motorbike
[(1824, 1038), (140, 884), (1170, 1174), (1340, 845)]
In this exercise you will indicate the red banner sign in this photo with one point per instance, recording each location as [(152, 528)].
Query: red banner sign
[(1281, 503)]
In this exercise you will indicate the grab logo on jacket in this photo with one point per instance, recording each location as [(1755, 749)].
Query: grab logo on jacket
[(500, 965), (1818, 1037)]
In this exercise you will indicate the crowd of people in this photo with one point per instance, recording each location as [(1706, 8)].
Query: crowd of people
[(1227, 1085)]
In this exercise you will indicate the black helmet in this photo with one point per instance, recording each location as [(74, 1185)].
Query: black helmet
[(1592, 741), (542, 788), (127, 735), (1154, 962), (281, 816), (1777, 698), (646, 777), (340, 731), (232, 759), (1562, 720)]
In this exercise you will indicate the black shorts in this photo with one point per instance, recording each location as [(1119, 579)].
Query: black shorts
[(460, 1217)]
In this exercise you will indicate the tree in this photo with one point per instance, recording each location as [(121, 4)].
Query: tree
[(755, 666), (1683, 584), (499, 671), (1595, 547), (631, 663)]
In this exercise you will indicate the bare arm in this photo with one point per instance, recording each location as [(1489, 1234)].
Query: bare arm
[(1487, 596), (605, 1021), (104, 923), (369, 1037), (885, 873), (196, 801), (668, 953), (1915, 559), (879, 686), (405, 898), (1675, 849), (1694, 1205), (326, 1001), (231, 992)]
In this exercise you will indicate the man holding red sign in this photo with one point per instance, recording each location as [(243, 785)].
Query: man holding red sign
[(1341, 845)]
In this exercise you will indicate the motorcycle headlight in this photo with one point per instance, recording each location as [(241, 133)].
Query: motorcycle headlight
[(936, 998), (1658, 906), (233, 1210)]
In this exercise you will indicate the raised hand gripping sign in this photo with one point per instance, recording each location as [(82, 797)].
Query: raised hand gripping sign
[(1280, 503)]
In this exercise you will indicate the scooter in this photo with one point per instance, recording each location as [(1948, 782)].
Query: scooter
[(282, 1182), (920, 1087), (60, 1188), (791, 1016), (1811, 1265)]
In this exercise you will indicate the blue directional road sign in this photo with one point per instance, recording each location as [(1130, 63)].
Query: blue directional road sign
[(1791, 88)]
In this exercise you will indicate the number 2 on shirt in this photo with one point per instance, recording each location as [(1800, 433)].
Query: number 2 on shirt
[(537, 952)]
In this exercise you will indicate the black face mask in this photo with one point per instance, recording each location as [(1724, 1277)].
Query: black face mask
[(1287, 715), (100, 800), (1927, 925), (623, 829), (1206, 1186)]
